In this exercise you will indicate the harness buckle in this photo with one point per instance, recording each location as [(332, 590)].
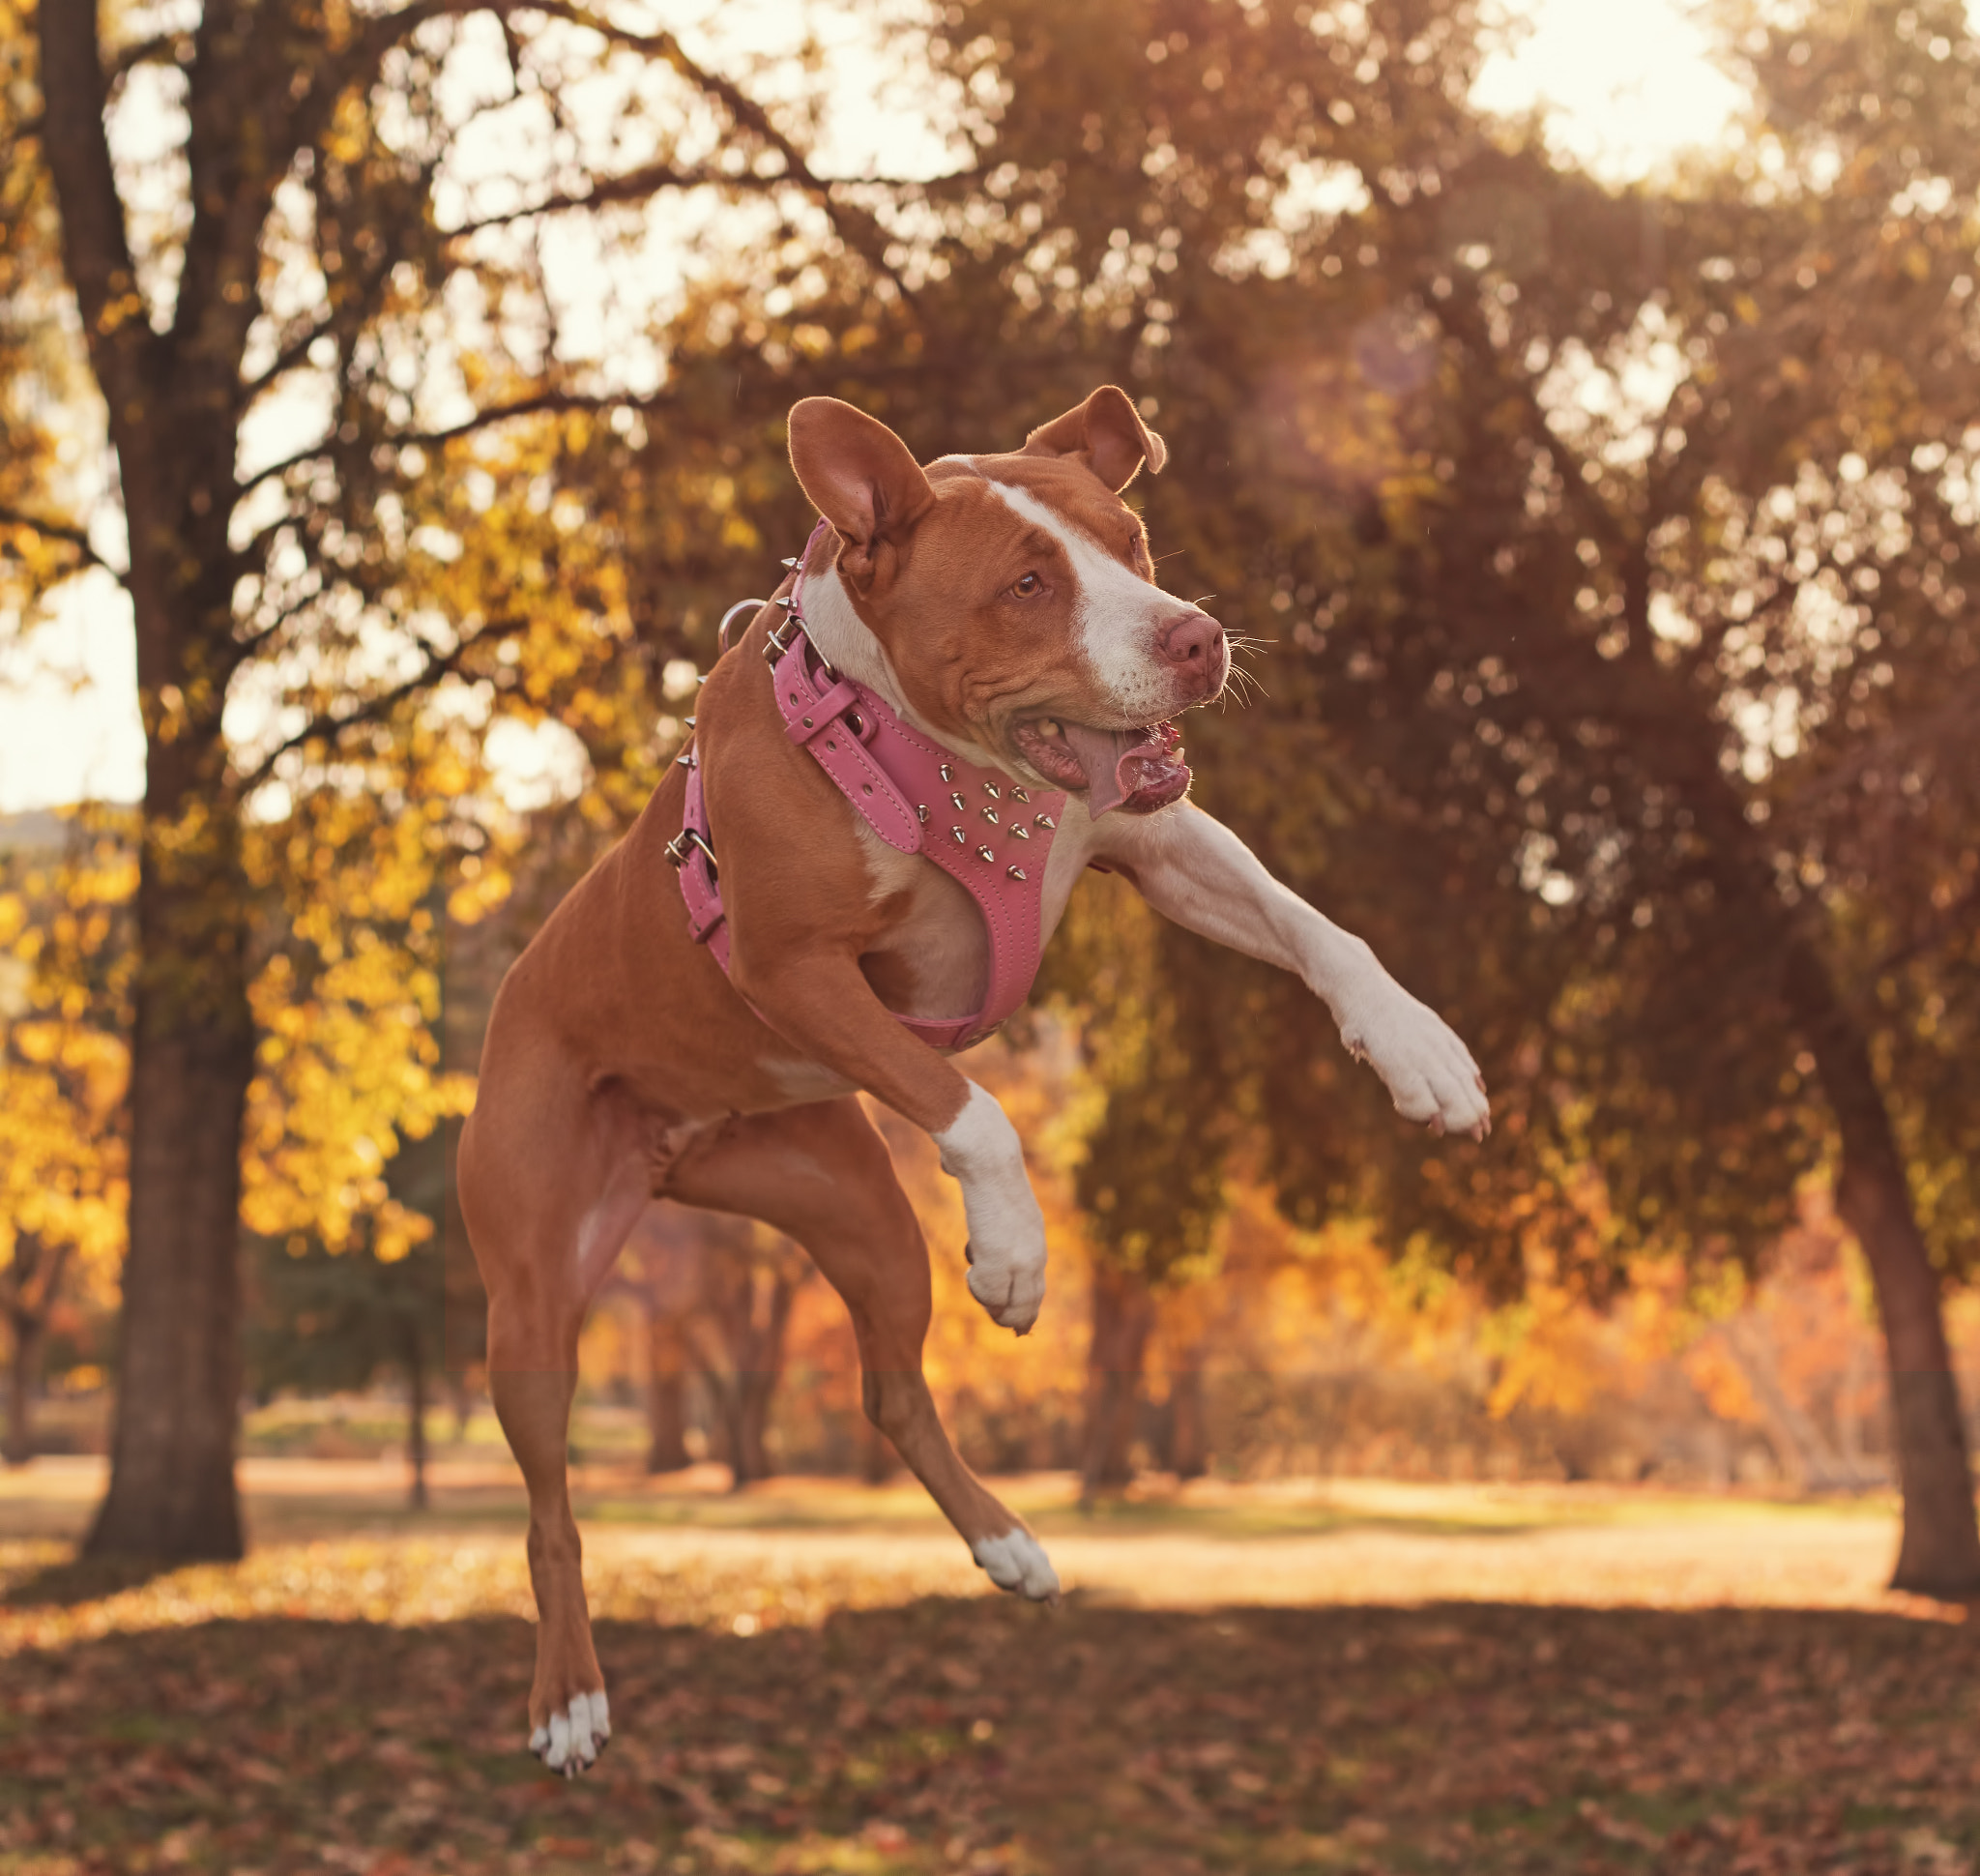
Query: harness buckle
[(680, 850)]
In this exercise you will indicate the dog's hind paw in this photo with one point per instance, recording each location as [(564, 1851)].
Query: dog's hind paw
[(569, 1742), (1017, 1562)]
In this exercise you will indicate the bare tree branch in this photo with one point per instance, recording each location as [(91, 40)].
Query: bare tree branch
[(862, 232), (69, 537), (635, 186), (1954, 922), (95, 247), (327, 729), (538, 404)]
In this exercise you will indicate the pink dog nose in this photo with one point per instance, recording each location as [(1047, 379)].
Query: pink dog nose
[(1193, 641)]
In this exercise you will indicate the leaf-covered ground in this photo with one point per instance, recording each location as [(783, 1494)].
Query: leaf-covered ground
[(799, 1699)]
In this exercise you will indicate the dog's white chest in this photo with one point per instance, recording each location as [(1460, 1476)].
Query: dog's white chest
[(935, 958)]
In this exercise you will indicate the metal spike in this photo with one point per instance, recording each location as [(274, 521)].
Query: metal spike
[(995, 793), (948, 774), (789, 605), (792, 561), (1016, 872), (984, 853), (701, 676), (956, 799), (684, 762), (990, 815), (1045, 821), (1018, 832), (961, 838), (689, 720), (1017, 794), (921, 812)]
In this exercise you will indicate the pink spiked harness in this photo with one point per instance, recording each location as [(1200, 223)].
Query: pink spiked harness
[(976, 824)]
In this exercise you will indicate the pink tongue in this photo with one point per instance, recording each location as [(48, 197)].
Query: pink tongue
[(1102, 753)]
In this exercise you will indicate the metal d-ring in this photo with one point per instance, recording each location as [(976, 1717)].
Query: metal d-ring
[(723, 630)]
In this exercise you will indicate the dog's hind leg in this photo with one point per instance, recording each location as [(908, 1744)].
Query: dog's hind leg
[(551, 1178), (821, 1174)]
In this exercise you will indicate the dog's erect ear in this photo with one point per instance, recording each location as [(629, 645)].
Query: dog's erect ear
[(857, 473), (1105, 432)]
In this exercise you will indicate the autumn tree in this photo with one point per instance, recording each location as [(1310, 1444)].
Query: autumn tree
[(317, 364), (1618, 542)]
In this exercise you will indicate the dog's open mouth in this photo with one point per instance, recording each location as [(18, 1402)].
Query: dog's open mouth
[(1140, 770)]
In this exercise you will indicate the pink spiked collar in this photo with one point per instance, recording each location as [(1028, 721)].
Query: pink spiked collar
[(979, 825)]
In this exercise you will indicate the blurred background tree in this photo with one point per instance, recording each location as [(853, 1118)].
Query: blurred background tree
[(1602, 553)]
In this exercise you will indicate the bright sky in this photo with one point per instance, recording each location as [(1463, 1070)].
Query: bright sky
[(1625, 84)]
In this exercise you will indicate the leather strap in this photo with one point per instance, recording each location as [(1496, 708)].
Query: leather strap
[(700, 885)]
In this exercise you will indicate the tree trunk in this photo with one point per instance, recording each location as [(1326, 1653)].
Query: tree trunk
[(1188, 1436), (753, 1420), (1124, 1317), (30, 1307), (1939, 1552), (725, 1398), (666, 1394), (179, 1365), (416, 1423), (20, 1388)]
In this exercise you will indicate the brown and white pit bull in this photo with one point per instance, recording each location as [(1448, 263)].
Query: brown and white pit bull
[(1001, 611)]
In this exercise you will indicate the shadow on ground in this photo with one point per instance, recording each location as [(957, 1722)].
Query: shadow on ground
[(73, 1582), (985, 1737)]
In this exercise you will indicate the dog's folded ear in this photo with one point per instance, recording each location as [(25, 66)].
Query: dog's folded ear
[(857, 473), (1107, 434)]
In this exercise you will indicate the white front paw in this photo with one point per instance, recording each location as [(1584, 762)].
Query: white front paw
[(1012, 1284), (1006, 1247), (1429, 1073)]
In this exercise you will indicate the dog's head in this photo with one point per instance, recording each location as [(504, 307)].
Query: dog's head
[(1013, 598)]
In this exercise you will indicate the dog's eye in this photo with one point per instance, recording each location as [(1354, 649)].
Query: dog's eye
[(1028, 586)]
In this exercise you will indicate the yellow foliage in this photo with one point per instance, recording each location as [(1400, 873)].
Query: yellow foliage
[(64, 1177)]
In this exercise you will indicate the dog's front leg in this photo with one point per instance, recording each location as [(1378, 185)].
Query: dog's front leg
[(1193, 870), (823, 1004)]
